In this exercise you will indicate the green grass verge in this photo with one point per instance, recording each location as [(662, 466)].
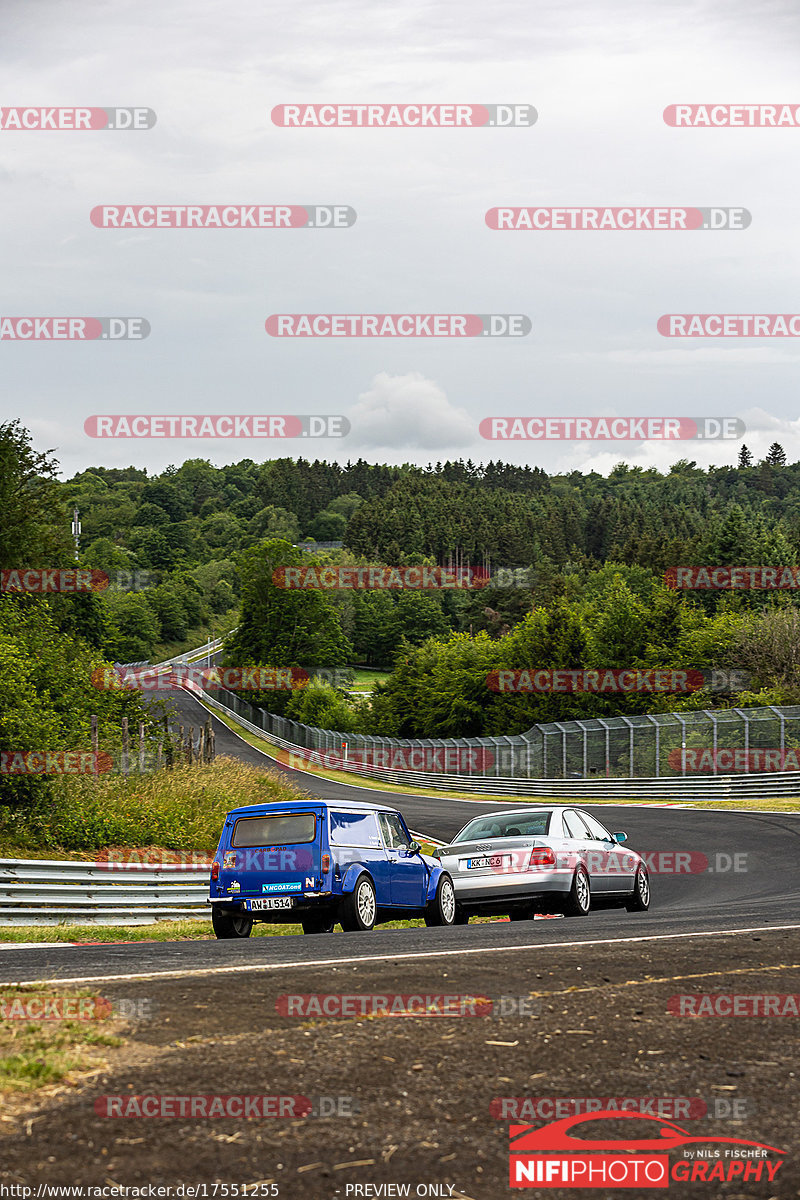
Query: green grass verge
[(167, 931), (182, 809)]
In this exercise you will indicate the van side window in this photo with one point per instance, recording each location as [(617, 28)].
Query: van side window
[(354, 829), (393, 833)]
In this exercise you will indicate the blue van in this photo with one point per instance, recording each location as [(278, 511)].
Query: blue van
[(319, 863)]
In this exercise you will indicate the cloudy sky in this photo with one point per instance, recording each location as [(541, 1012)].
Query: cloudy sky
[(598, 73)]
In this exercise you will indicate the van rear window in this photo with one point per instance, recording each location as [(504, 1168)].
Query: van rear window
[(284, 829)]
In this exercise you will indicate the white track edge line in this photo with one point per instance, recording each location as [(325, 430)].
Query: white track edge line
[(364, 958)]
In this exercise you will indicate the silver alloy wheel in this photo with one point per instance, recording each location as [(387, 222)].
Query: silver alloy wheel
[(448, 899), (582, 889), (366, 902), (644, 886)]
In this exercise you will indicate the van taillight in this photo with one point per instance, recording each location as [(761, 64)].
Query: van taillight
[(215, 869), (326, 863), (542, 856)]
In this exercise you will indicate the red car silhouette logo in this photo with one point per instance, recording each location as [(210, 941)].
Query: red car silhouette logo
[(557, 1137)]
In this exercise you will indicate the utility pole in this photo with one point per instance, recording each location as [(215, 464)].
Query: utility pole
[(76, 530)]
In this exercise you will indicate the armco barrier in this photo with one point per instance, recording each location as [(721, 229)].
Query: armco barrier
[(770, 786), (39, 892)]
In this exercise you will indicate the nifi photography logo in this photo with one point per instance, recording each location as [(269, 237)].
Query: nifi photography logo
[(588, 1151)]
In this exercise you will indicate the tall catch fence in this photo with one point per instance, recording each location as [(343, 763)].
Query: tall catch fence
[(663, 746)]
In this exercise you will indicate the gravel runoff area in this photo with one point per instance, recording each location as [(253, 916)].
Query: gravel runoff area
[(408, 1100)]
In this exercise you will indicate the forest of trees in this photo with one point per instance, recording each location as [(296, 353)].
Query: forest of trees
[(577, 564)]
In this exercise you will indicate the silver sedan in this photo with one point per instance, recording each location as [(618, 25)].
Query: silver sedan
[(543, 859)]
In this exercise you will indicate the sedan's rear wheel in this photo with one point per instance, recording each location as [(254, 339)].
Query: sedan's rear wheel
[(359, 910), (578, 900), (640, 900), (230, 924), (442, 909)]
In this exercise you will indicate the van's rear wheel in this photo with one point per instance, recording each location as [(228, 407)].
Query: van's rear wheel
[(359, 910), (230, 924), (321, 922)]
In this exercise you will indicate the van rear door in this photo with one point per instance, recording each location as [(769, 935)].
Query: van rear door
[(274, 853)]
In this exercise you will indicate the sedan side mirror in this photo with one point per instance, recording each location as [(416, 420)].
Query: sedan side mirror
[(619, 836), (412, 848)]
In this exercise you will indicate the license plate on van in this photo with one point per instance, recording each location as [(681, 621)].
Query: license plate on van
[(273, 902)]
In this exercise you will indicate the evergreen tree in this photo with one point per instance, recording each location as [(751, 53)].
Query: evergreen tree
[(745, 458), (776, 455)]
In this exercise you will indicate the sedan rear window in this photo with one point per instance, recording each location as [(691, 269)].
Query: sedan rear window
[(283, 829), (533, 824)]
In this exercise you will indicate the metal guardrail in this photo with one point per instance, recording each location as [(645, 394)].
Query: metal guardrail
[(44, 892)]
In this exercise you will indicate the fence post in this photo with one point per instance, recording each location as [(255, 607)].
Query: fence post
[(169, 753), (190, 746), (125, 747), (141, 747), (95, 745)]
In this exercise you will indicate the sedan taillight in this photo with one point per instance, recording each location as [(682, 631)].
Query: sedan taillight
[(542, 856)]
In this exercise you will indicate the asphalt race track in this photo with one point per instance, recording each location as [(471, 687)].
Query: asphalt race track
[(745, 876)]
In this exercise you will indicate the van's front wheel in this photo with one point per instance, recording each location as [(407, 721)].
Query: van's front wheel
[(230, 924), (359, 910)]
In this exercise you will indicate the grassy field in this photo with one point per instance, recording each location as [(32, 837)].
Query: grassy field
[(365, 678)]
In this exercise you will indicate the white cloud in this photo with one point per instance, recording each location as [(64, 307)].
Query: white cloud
[(409, 410)]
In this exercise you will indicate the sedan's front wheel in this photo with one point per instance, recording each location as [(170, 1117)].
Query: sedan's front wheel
[(578, 900), (442, 909), (640, 900), (359, 910)]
